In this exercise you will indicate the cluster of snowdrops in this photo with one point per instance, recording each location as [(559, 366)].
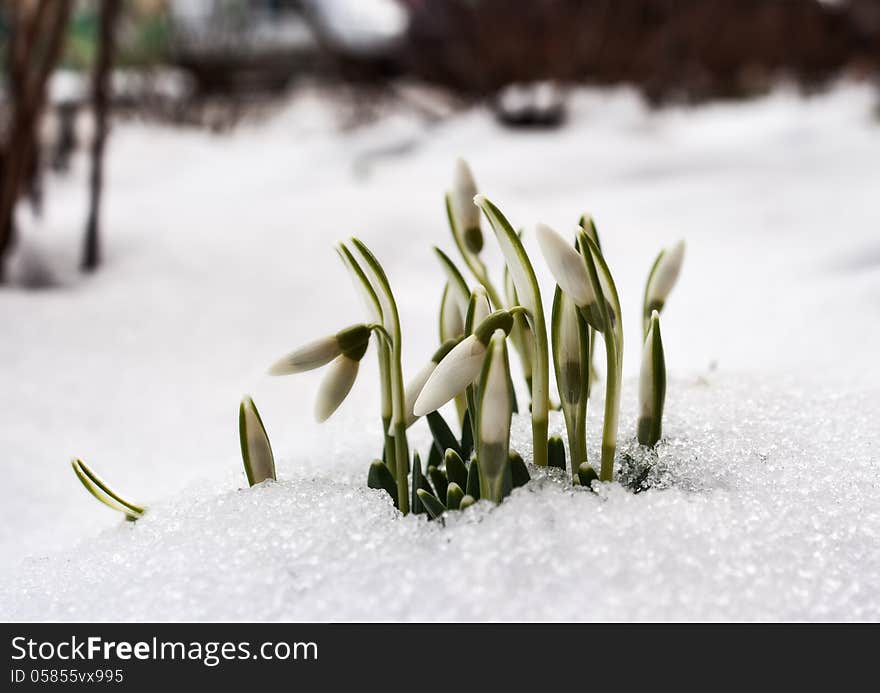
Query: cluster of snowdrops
[(478, 325)]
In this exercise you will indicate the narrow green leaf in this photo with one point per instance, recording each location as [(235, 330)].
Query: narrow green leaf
[(417, 483), (467, 502), (586, 475), (467, 436), (556, 453), (473, 479), (454, 494), (99, 489), (380, 477), (438, 480), (256, 451), (456, 471), (433, 506), (518, 470), (444, 439)]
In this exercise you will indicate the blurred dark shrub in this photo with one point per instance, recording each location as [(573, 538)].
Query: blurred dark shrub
[(687, 49)]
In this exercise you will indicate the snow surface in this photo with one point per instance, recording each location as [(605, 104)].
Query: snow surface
[(765, 498)]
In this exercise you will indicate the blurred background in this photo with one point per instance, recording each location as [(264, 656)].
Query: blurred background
[(68, 66)]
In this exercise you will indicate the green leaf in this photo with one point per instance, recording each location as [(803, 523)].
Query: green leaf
[(454, 494), (433, 506), (467, 436), (518, 470), (444, 439), (456, 471), (457, 284), (380, 477), (586, 475), (473, 479), (417, 481), (100, 490), (438, 480), (556, 453), (467, 502)]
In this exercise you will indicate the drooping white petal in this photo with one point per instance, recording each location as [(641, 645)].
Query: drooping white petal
[(414, 389), (256, 452), (566, 265), (335, 386), (666, 274), (312, 355), (458, 369)]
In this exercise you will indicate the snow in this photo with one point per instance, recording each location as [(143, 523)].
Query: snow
[(765, 498)]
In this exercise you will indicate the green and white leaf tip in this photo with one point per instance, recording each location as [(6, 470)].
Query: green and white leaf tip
[(461, 366), (652, 385), (100, 490), (256, 451), (495, 411), (351, 341), (466, 216)]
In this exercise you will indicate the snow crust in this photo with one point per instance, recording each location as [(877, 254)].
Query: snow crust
[(764, 502)]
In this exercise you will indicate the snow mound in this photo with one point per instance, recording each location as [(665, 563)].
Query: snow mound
[(756, 508)]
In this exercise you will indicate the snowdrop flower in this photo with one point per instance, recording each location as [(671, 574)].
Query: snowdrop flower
[(351, 341), (335, 386), (652, 385), (465, 214), (256, 452), (566, 265), (495, 410), (461, 366), (664, 276), (414, 387)]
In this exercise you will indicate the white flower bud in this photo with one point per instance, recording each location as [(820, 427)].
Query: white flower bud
[(458, 369), (256, 452), (665, 275), (414, 389), (568, 351), (451, 319), (352, 341), (335, 386), (566, 265), (652, 385), (465, 213), (482, 308), (493, 422)]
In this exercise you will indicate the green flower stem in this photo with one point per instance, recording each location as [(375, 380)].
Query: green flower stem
[(383, 351), (475, 265), (612, 334), (391, 318)]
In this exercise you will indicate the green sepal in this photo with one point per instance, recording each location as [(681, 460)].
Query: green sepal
[(467, 502), (454, 494), (444, 439), (473, 479), (456, 471), (518, 470), (438, 480), (432, 506), (380, 477), (586, 474), (556, 453)]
